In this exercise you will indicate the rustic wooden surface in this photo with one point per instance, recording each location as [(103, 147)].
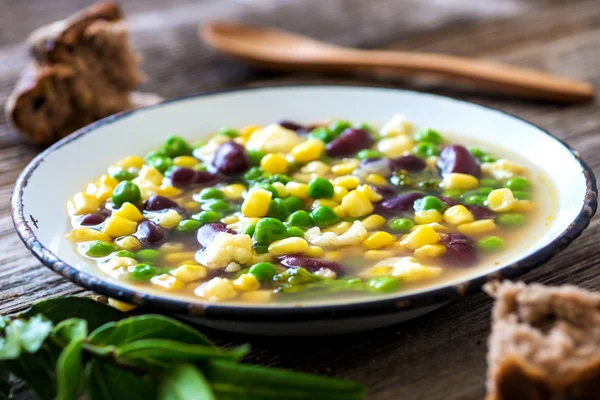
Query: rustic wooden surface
[(441, 355)]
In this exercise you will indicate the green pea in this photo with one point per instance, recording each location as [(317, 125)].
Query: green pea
[(216, 205), (99, 248), (281, 178), (269, 187), (229, 132), (253, 174), (488, 159), (337, 127), (429, 203), (126, 191), (401, 225), (319, 188), (176, 146), (294, 231), (428, 135), (484, 191), (148, 255), (323, 216), (269, 230), (255, 156), (294, 203), (520, 194), (199, 167), (210, 193), (142, 272), (261, 248), (367, 153), (365, 126), (425, 149), (517, 183), (477, 152), (383, 284), (161, 163), (475, 200), (207, 217), (299, 218), (453, 193), (493, 183), (491, 243), (123, 253), (121, 174), (250, 229), (155, 153), (510, 220), (188, 226), (278, 209), (263, 271), (322, 133)]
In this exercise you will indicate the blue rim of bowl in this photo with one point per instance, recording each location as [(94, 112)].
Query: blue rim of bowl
[(284, 312)]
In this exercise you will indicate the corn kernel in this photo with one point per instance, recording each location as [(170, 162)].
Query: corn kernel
[(501, 200), (459, 181), (166, 281), (104, 192), (130, 243), (288, 246), (234, 191), (120, 305), (373, 222), (369, 192), (395, 146), (107, 180), (146, 187), (340, 212), (128, 211), (168, 191), (376, 179), (420, 237), (116, 226), (297, 189), (522, 206), (434, 225), (308, 151), (398, 125), (248, 130), (378, 239), (91, 189), (281, 190), (192, 206), (189, 272), (257, 296), (457, 215), (86, 234), (477, 227), (190, 262), (274, 163), (348, 181), (339, 228), (171, 247), (410, 270), (303, 177), (246, 282), (117, 264), (151, 174), (346, 167), (428, 217), (430, 251), (334, 255), (357, 204), (178, 257), (338, 193), (316, 167), (130, 162), (379, 270), (169, 219), (185, 161), (217, 289), (314, 251), (378, 254), (85, 203), (324, 202), (257, 203), (230, 219)]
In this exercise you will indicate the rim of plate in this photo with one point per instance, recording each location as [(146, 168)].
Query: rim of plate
[(292, 312)]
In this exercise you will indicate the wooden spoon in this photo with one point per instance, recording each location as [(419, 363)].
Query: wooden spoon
[(284, 50)]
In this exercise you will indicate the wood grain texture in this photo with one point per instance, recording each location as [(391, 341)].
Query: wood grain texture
[(438, 356)]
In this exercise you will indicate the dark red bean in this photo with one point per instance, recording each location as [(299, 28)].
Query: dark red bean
[(204, 178), (457, 238), (292, 126), (92, 219), (385, 191), (311, 264), (207, 233), (182, 176), (149, 233), (408, 163), (456, 158), (349, 142), (448, 201), (481, 212), (460, 250), (403, 202), (231, 158), (156, 203)]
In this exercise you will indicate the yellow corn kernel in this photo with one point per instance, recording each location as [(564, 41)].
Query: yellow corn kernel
[(314, 251), (348, 181), (190, 262), (288, 246), (166, 281), (120, 305), (428, 217), (168, 191), (274, 163), (151, 174), (171, 247), (234, 191), (369, 192), (459, 181), (373, 222), (501, 200), (421, 236), (230, 219), (281, 190), (435, 226), (107, 180), (522, 206), (430, 251), (376, 179), (378, 239), (457, 215), (324, 202), (378, 254), (185, 161), (130, 243), (189, 272), (104, 192), (169, 219), (241, 140), (340, 212), (118, 226), (246, 282), (86, 234), (178, 257), (248, 130), (334, 255), (338, 193), (308, 151), (395, 146), (346, 167), (339, 228), (257, 296), (357, 204), (118, 264), (477, 227), (411, 270), (217, 289), (302, 177), (316, 167), (91, 189), (192, 206), (297, 189), (382, 270), (147, 188), (130, 162), (85, 203), (257, 203), (128, 211)]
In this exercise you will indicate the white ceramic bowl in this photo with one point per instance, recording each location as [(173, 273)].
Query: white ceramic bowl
[(44, 187)]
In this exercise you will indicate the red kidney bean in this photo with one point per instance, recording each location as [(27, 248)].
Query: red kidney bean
[(149, 233), (448, 201), (481, 212), (231, 158), (92, 219), (456, 158), (403, 202), (349, 142), (311, 264), (204, 178), (408, 163), (156, 203), (460, 250), (182, 176), (292, 126), (207, 233), (385, 191)]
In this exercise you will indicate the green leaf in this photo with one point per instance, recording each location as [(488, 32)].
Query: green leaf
[(69, 370), (10, 344), (32, 333), (184, 382), (248, 382), (146, 327), (162, 349), (106, 381), (61, 308), (72, 329), (5, 386), (37, 370)]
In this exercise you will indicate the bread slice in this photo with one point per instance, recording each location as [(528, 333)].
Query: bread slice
[(545, 343)]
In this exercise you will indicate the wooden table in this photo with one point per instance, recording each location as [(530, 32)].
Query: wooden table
[(438, 356)]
